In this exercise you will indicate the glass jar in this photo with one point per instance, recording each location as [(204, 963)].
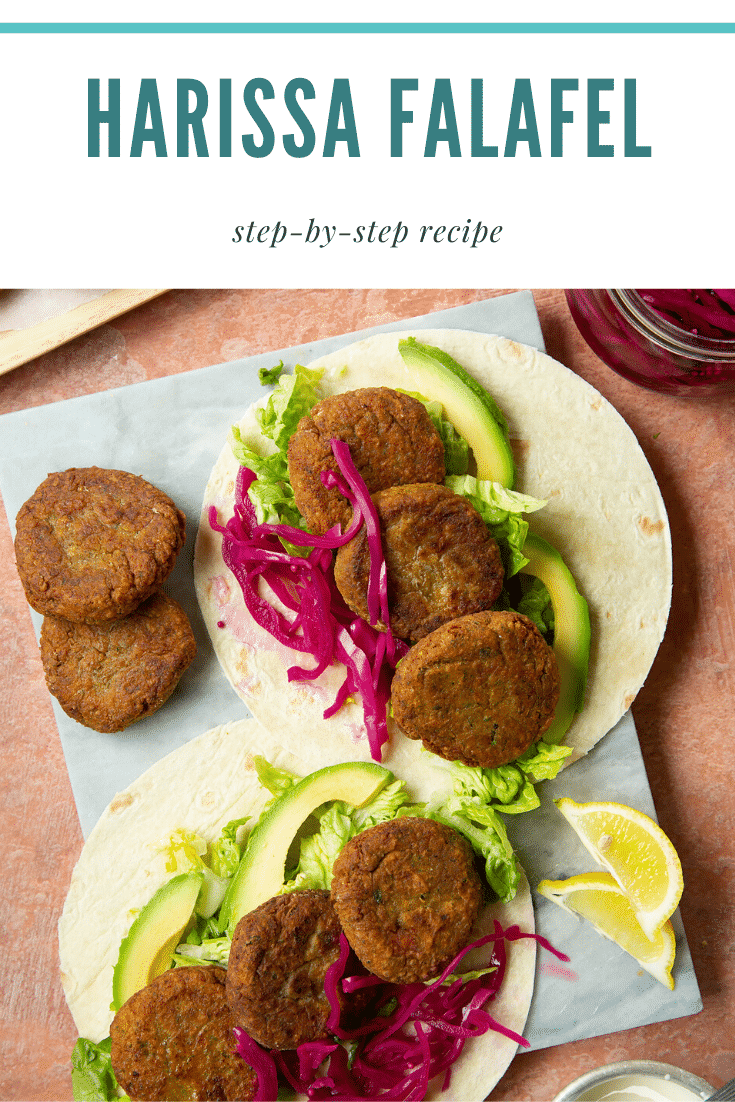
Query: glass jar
[(633, 339)]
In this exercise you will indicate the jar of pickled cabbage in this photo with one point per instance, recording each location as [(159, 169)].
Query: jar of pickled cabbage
[(673, 341)]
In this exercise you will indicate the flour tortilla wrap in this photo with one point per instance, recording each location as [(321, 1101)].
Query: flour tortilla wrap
[(604, 514), (201, 787)]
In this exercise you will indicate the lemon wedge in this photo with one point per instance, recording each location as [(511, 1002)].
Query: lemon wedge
[(636, 851), (597, 897)]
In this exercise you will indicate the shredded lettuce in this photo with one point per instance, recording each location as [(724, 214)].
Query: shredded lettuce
[(202, 929), (226, 852), (213, 950), (502, 510), (183, 850), (92, 1077), (211, 893)]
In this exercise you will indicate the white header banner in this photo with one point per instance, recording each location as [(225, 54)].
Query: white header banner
[(435, 158)]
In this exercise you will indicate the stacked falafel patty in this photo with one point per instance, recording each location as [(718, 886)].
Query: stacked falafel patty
[(93, 548)]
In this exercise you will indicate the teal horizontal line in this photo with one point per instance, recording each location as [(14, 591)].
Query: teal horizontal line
[(367, 28)]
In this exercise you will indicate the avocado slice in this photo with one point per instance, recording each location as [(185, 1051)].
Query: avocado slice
[(260, 873), (152, 939), (571, 630), (474, 414)]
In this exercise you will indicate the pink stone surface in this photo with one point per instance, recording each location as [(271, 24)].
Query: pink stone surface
[(685, 713)]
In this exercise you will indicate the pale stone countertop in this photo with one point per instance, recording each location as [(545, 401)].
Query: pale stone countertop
[(684, 714)]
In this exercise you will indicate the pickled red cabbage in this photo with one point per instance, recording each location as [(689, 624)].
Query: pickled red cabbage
[(703, 313), (419, 1034), (320, 624)]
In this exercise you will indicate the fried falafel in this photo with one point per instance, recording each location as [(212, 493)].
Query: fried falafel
[(92, 544), (279, 957), (407, 895), (107, 676), (441, 560), (480, 689), (173, 1040), (392, 442)]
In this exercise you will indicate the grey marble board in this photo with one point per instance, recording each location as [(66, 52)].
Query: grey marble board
[(170, 431)]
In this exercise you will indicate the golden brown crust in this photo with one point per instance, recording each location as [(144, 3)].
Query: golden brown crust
[(107, 676), (275, 977), (407, 894), (441, 560), (479, 690), (173, 1040), (91, 544), (392, 442)]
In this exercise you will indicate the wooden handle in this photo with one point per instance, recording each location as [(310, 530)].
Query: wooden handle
[(18, 346)]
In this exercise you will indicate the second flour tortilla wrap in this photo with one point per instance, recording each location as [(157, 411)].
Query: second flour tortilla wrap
[(604, 514), (200, 787)]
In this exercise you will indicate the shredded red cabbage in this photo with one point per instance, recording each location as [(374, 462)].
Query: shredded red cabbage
[(706, 313), (422, 1036), (262, 1063), (321, 624)]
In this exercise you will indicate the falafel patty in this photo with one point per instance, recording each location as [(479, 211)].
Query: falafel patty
[(392, 442), (107, 676), (407, 894), (479, 690), (442, 561), (279, 957), (91, 544), (173, 1040)]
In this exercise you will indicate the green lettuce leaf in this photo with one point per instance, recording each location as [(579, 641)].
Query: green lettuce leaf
[(276, 780), (504, 785), (485, 831), (502, 510), (384, 806), (292, 398), (269, 376), (319, 850), (479, 795), (92, 1077), (536, 605), (456, 448), (202, 928), (272, 494), (543, 761), (338, 822)]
